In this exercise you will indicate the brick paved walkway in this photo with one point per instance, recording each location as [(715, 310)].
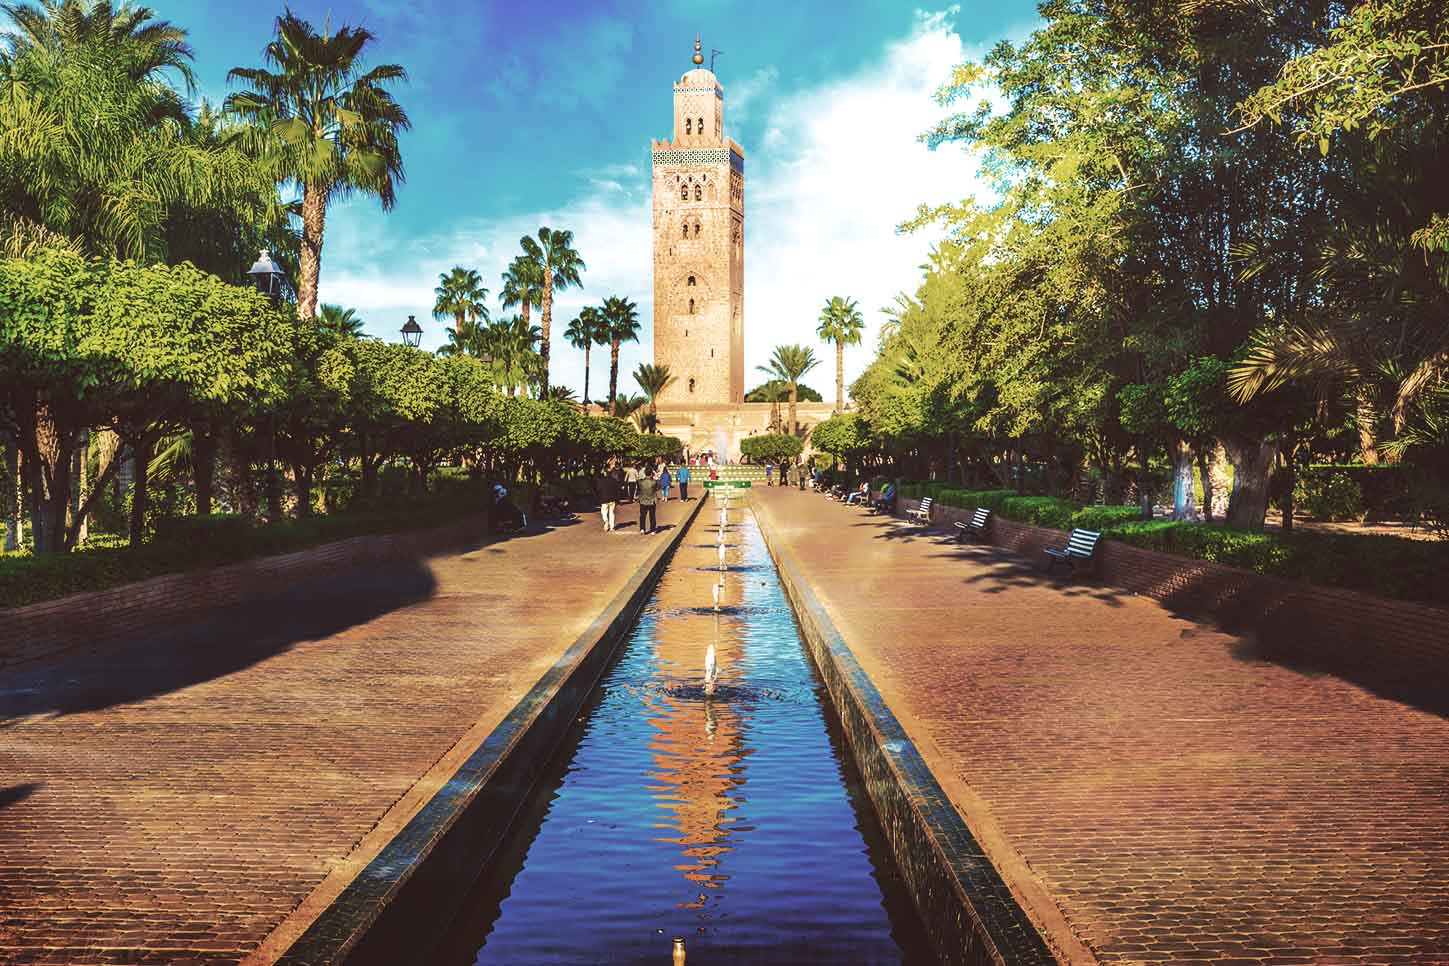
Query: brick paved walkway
[(1151, 789), (174, 799)]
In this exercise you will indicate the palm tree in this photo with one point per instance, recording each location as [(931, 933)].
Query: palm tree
[(340, 322), (790, 363), (460, 294), (559, 266), (841, 323), (561, 394), (522, 286), (465, 341), (323, 124), (582, 333), (653, 380), (628, 407), (511, 344), (621, 322)]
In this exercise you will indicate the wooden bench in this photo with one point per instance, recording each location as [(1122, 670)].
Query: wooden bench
[(1081, 545), (922, 513), (975, 528)]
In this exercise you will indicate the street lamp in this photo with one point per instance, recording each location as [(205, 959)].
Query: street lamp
[(412, 333), (268, 276)]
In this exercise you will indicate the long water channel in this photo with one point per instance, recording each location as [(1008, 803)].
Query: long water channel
[(734, 821)]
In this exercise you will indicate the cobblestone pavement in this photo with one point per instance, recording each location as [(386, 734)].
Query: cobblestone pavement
[(174, 799), (1153, 791)]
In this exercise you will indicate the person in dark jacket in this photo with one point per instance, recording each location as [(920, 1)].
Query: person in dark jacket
[(648, 497), (608, 487)]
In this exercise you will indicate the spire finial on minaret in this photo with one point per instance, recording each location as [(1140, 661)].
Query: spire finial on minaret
[(698, 51)]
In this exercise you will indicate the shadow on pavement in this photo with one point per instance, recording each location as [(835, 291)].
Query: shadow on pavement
[(11, 794), (227, 640)]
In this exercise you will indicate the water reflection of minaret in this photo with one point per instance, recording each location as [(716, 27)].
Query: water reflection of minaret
[(698, 746)]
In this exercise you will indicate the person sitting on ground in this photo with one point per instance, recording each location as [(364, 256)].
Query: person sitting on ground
[(648, 497), (509, 517)]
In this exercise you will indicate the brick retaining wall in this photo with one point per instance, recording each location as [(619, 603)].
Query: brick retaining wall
[(1325, 626), (53, 625)]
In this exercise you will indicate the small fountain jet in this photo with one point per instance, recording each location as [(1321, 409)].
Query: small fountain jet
[(710, 672), (716, 588), (721, 556)]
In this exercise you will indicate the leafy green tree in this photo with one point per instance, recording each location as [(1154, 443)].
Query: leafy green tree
[(776, 390), (653, 380), (131, 348), (510, 344), (621, 320), (322, 122), (460, 295), (789, 364), (841, 323), (558, 265), (772, 447)]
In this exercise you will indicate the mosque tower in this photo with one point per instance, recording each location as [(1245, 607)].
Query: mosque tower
[(699, 248)]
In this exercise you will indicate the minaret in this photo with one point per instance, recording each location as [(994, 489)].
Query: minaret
[(699, 248)]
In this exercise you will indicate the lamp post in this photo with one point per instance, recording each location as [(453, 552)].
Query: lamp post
[(412, 333), (268, 276)]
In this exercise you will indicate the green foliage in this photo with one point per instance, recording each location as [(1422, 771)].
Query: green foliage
[(775, 390), (841, 436), (772, 447), (1328, 496), (212, 541), (652, 446)]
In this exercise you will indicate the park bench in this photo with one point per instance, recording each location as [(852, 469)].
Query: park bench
[(1081, 545), (975, 528), (922, 513)]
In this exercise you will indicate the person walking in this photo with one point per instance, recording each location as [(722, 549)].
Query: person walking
[(769, 474), (665, 482), (608, 486), (682, 478), (631, 481), (648, 496), (801, 472)]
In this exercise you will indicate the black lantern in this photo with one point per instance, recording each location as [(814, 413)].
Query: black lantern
[(412, 333), (268, 276)]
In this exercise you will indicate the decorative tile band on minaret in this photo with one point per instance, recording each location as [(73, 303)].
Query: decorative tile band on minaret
[(699, 253)]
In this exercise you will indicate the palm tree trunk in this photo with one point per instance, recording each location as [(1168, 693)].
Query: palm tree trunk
[(1368, 444), (613, 370), (547, 325), (458, 327), (839, 375), (586, 375), (314, 215), (794, 423)]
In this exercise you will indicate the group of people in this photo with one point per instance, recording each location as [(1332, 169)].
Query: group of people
[(798, 473), (648, 485)]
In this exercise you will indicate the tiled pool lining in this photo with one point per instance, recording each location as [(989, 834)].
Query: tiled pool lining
[(407, 895), (966, 906)]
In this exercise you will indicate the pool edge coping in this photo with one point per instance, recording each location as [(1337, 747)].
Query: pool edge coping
[(354, 926), (940, 860)]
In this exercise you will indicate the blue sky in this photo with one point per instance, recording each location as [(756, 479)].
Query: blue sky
[(530, 114)]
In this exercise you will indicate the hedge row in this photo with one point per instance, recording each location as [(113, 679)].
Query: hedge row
[(191, 543), (1379, 564)]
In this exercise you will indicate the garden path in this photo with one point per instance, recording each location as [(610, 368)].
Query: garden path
[(1153, 791), (175, 799)]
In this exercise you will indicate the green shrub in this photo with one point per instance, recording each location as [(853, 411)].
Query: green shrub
[(216, 526), (1328, 494)]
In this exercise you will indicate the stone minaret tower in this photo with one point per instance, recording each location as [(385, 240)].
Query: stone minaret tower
[(699, 248)]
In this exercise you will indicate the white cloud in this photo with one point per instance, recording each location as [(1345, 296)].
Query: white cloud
[(839, 167), (741, 96)]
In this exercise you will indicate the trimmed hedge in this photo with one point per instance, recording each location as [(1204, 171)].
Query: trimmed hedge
[(194, 543), (1387, 566)]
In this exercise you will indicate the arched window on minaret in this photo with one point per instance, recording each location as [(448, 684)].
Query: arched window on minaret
[(696, 229), (698, 193), (688, 126), (691, 384), (684, 192), (690, 283), (691, 306), (700, 126), (685, 228)]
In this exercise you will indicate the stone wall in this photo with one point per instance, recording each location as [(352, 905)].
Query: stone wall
[(1324, 627), (130, 609)]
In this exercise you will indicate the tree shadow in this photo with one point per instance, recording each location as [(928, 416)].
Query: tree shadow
[(226, 639), (11, 794)]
